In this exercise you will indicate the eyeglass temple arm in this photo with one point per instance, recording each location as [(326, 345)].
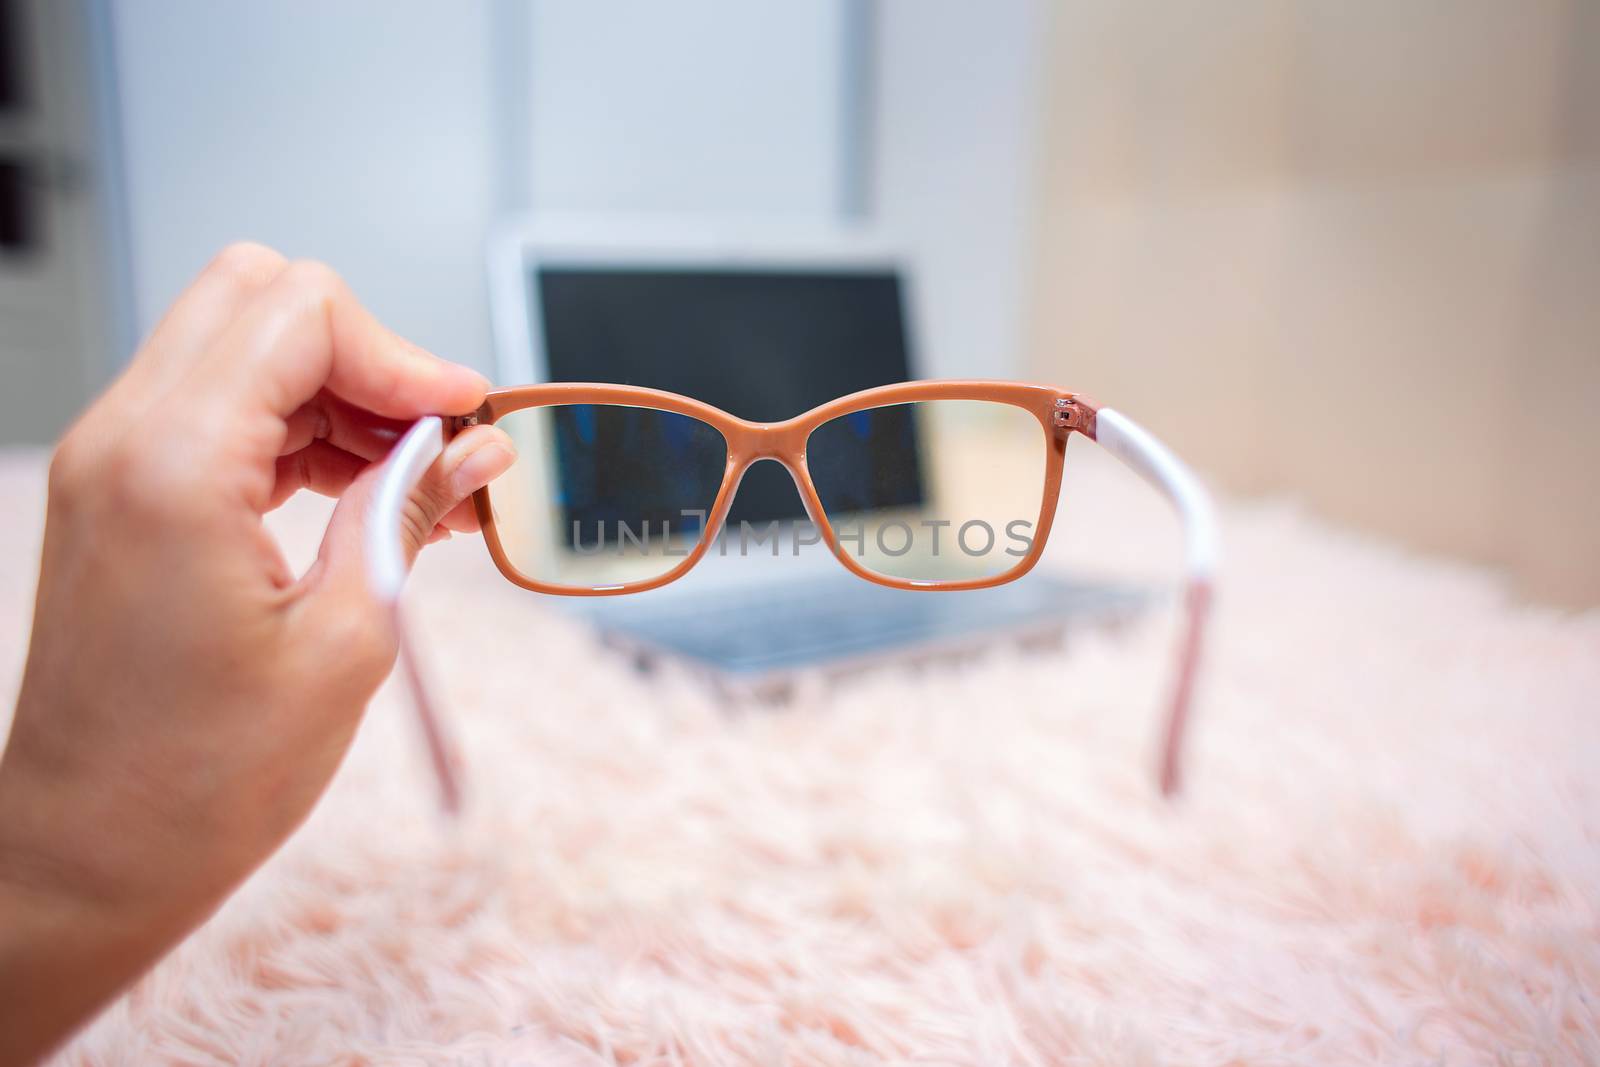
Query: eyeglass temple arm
[(1155, 462), (386, 573)]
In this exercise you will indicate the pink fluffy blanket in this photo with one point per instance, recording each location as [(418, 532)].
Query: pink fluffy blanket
[(1389, 851)]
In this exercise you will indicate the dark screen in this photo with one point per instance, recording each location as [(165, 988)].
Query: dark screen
[(761, 345)]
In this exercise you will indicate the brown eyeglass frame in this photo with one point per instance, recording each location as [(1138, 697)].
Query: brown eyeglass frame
[(1060, 414)]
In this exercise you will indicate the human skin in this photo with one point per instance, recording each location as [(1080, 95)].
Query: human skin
[(187, 697)]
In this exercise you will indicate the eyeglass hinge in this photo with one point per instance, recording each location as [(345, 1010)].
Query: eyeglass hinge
[(1070, 413), (463, 421)]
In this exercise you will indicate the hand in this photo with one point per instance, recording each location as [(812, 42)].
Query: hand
[(186, 697)]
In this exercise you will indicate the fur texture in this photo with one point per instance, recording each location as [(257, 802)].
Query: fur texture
[(1389, 850)]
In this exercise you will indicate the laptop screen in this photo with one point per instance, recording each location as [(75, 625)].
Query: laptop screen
[(763, 345)]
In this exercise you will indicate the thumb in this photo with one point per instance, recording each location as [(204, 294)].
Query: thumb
[(340, 582), (355, 619)]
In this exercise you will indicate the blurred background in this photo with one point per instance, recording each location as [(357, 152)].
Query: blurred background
[(1348, 251)]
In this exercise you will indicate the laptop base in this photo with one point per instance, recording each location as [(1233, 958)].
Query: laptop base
[(759, 641)]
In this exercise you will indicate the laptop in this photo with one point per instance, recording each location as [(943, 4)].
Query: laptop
[(764, 325)]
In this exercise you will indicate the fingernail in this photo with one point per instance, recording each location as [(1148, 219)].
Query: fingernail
[(483, 466)]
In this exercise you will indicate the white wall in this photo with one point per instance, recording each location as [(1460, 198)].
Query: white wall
[(697, 107), (358, 132), (959, 87), (385, 135)]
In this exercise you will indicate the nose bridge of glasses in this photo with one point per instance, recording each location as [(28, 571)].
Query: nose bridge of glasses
[(781, 441), (784, 443)]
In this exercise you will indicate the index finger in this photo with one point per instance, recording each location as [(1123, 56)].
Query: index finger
[(306, 331)]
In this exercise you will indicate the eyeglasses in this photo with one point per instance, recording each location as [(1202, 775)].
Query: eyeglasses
[(938, 486)]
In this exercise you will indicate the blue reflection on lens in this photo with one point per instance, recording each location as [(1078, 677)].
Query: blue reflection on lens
[(634, 466), (867, 460)]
